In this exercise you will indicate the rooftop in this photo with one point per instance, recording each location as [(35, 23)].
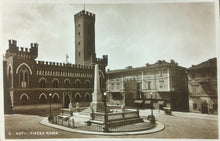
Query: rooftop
[(158, 64), (211, 63)]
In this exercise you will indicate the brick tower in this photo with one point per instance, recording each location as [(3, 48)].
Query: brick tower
[(84, 38)]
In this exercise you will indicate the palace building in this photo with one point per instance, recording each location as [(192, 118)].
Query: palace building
[(29, 82), (202, 84), (162, 83)]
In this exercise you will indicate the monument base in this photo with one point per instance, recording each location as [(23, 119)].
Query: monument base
[(97, 106)]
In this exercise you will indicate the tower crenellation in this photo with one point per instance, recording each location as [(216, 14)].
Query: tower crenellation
[(85, 13), (84, 37), (21, 51), (34, 49), (12, 46), (85, 40)]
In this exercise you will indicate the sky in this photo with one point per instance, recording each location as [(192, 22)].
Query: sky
[(130, 34)]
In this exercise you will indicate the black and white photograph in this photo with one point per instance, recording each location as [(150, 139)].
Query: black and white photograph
[(109, 70)]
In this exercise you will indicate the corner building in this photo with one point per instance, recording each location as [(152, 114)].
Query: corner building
[(202, 84), (28, 82), (167, 82)]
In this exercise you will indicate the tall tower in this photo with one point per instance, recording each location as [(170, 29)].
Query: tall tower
[(84, 38)]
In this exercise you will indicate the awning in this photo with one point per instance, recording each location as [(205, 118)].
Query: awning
[(138, 101), (160, 102), (147, 102)]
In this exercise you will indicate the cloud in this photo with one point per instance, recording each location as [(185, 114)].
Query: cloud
[(131, 34)]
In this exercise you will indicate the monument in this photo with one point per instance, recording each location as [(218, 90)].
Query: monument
[(97, 104), (103, 118)]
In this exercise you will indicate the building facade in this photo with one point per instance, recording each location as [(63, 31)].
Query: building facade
[(165, 82), (29, 82), (202, 84)]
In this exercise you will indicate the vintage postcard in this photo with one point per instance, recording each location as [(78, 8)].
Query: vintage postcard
[(113, 70)]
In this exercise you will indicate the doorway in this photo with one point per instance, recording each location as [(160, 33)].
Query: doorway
[(204, 108), (66, 101)]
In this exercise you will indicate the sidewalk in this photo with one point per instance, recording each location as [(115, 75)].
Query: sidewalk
[(180, 114), (131, 129)]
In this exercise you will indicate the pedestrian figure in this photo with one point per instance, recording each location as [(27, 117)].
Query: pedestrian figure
[(77, 107)]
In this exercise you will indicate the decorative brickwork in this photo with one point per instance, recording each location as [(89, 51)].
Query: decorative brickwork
[(30, 82)]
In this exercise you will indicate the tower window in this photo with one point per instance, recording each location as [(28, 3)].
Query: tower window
[(78, 33), (79, 53), (79, 25), (79, 43)]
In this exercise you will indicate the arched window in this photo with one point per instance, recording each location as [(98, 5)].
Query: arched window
[(66, 101), (78, 83), (10, 77), (42, 98), (55, 98), (23, 77), (87, 84), (77, 97), (67, 83), (26, 76), (87, 97), (55, 83), (24, 99), (42, 83)]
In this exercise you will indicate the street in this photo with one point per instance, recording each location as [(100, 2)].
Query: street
[(179, 125)]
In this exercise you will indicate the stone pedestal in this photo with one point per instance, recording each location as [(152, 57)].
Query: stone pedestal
[(97, 105)]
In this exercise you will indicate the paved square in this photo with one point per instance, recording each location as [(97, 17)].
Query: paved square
[(179, 125)]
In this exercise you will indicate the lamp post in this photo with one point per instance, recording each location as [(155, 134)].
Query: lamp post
[(50, 103), (105, 128), (151, 117), (151, 95)]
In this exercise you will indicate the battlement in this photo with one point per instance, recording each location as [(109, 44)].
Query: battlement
[(12, 43), (34, 45), (34, 49), (68, 65), (103, 60), (13, 48), (85, 13)]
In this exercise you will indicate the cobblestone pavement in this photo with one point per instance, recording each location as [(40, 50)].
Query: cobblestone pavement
[(179, 125)]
